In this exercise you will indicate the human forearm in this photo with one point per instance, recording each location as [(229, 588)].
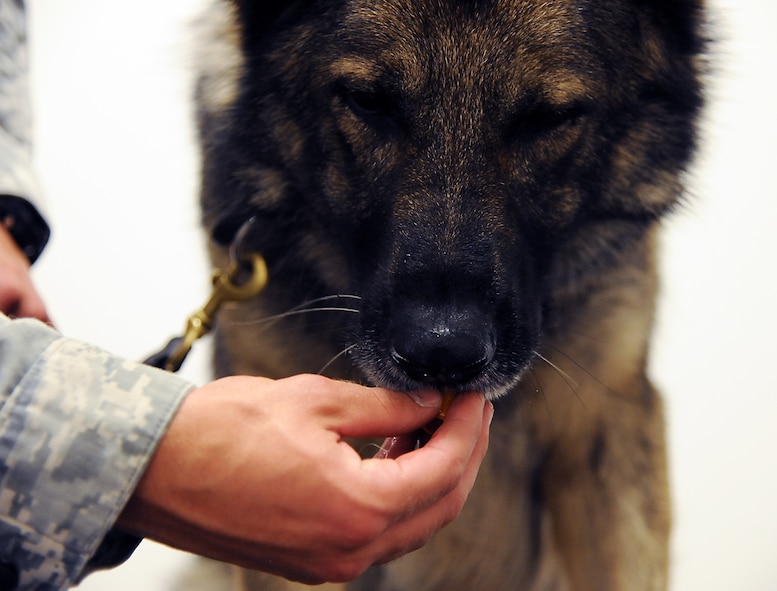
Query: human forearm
[(77, 427)]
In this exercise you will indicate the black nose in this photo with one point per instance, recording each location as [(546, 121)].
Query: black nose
[(442, 349)]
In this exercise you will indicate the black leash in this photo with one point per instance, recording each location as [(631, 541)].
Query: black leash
[(244, 278)]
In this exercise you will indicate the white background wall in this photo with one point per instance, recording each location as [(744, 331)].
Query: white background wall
[(126, 265)]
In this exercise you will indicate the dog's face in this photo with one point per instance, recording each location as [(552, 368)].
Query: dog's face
[(464, 167)]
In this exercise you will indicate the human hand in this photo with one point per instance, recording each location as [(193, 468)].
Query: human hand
[(255, 472), (18, 296)]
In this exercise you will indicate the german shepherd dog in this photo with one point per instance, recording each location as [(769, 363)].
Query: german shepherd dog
[(466, 195)]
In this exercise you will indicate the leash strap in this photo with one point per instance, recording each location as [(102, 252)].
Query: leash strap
[(243, 279)]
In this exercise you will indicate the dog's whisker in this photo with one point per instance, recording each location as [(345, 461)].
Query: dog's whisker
[(336, 357), (591, 375), (295, 312), (304, 305), (337, 296), (589, 337), (569, 380), (540, 389)]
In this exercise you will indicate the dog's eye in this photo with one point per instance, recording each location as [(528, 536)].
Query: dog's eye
[(368, 104), (533, 123)]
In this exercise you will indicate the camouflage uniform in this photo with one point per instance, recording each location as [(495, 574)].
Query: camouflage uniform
[(77, 428), (77, 425)]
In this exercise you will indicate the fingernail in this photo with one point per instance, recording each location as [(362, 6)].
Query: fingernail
[(426, 398), (490, 410)]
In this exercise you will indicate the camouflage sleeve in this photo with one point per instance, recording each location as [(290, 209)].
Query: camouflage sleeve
[(77, 428), (19, 192)]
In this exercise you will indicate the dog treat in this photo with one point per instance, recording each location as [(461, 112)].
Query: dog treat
[(447, 400)]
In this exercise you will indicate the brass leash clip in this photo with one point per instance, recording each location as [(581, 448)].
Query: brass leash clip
[(244, 278)]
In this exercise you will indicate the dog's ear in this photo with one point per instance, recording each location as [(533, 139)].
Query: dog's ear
[(681, 21), (258, 17)]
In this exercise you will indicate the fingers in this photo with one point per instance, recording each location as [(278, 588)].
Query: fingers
[(439, 467), (415, 533), (409, 498), (424, 519), (358, 411)]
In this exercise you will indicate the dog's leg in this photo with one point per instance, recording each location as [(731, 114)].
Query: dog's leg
[(604, 475), (609, 503)]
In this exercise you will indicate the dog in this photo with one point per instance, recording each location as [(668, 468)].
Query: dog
[(467, 195)]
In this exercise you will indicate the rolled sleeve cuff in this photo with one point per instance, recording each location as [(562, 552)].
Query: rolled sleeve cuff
[(76, 434), (25, 224)]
